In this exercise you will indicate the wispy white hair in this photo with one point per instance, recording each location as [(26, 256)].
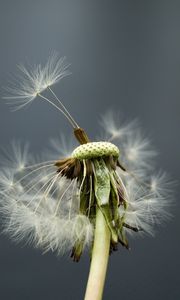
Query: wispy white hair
[(42, 207), (32, 81), (61, 147), (146, 207), (114, 129), (135, 149), (16, 156)]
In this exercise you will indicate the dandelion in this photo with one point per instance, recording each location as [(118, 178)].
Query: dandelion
[(92, 196)]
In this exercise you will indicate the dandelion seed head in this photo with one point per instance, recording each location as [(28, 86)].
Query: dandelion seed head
[(42, 205), (53, 204)]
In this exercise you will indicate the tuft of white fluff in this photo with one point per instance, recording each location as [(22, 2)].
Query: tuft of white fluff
[(136, 151), (42, 208), (24, 88), (16, 156), (60, 147), (161, 184), (32, 81), (114, 129), (54, 70), (6, 180), (146, 206)]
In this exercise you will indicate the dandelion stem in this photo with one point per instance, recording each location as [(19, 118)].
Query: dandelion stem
[(99, 262)]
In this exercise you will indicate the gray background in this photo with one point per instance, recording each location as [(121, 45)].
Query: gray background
[(125, 55)]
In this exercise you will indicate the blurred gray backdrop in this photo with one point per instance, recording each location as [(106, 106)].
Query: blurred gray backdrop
[(124, 55)]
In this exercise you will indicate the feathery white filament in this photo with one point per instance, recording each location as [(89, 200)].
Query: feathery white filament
[(31, 84), (113, 129), (44, 212)]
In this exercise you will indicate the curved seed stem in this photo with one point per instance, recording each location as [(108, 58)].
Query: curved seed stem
[(58, 108), (62, 105), (99, 262)]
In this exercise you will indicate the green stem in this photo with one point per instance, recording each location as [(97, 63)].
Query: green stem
[(100, 256)]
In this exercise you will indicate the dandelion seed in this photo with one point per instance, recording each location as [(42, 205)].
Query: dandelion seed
[(31, 84), (114, 130), (6, 180), (138, 150), (16, 157), (92, 196)]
